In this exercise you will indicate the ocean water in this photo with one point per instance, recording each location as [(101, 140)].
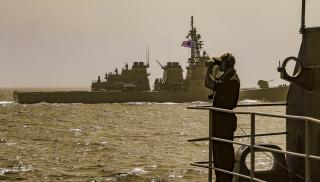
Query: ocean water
[(113, 142)]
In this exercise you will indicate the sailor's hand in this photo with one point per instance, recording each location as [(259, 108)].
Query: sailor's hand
[(210, 64)]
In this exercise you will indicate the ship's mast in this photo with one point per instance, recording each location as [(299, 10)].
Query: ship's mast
[(191, 34), (196, 43), (191, 22)]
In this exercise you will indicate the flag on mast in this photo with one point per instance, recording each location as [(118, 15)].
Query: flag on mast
[(187, 43)]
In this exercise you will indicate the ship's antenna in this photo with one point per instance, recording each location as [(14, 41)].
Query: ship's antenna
[(147, 56), (303, 17), (192, 35), (191, 22)]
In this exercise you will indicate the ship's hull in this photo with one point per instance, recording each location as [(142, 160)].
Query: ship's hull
[(274, 94), (106, 97), (271, 94)]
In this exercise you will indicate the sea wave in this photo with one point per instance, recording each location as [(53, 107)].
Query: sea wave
[(138, 103), (201, 103), (16, 169), (138, 171), (166, 103), (151, 103), (5, 103), (108, 142), (248, 101)]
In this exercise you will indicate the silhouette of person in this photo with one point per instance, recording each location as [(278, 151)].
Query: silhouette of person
[(225, 95)]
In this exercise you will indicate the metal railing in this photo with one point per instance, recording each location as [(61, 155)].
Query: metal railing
[(252, 145)]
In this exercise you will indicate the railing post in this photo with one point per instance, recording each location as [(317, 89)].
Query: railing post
[(253, 132), (210, 145), (307, 169)]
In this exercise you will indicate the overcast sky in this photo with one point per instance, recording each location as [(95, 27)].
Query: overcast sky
[(68, 43)]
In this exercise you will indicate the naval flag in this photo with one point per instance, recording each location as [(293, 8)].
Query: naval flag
[(187, 43)]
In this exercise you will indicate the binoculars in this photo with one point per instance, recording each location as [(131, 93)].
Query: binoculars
[(211, 63)]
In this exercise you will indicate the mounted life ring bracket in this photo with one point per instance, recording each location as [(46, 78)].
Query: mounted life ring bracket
[(293, 71), (288, 67)]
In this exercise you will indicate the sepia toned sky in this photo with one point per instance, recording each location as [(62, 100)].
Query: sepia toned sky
[(68, 43)]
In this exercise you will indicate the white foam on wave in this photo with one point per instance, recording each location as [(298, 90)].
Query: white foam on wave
[(166, 103), (200, 103), (133, 172), (16, 169), (76, 131), (5, 103), (137, 171), (151, 103), (248, 101), (137, 103), (177, 174)]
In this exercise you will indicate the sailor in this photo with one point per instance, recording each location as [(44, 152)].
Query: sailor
[(226, 94)]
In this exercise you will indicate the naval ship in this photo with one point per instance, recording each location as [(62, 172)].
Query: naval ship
[(132, 84), (264, 92)]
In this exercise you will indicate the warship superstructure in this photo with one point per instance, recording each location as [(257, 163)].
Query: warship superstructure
[(134, 79), (194, 82), (172, 79), (197, 63)]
